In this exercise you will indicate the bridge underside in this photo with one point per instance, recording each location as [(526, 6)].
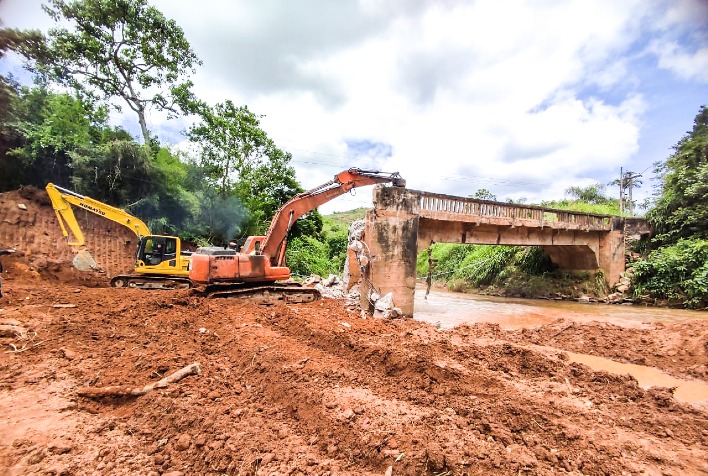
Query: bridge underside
[(397, 229)]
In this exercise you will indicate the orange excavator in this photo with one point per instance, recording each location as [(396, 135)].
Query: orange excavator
[(253, 270)]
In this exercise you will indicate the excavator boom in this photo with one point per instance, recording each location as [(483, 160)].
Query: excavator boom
[(299, 205), (62, 199)]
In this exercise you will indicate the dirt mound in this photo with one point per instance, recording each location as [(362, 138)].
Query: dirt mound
[(311, 389), (28, 224)]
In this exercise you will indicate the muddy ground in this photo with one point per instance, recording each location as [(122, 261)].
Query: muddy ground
[(314, 388)]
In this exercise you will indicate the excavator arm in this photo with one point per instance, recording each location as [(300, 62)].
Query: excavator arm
[(299, 205), (62, 201)]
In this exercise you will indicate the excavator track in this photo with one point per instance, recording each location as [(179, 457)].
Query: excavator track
[(269, 294), (150, 282)]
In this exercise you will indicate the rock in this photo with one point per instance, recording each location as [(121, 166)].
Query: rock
[(313, 279), (389, 471), (383, 306), (622, 288), (68, 354), (615, 298), (22, 206), (183, 442), (173, 473), (59, 447), (331, 280)]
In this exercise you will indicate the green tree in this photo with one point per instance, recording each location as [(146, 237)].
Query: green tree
[(120, 49), (231, 143), (240, 160), (45, 128), (591, 194), (681, 209), (484, 194)]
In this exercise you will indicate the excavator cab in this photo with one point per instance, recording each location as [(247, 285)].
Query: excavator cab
[(158, 254)]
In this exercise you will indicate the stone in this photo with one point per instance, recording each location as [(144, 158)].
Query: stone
[(183, 442)]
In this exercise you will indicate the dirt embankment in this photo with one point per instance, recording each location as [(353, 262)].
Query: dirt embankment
[(28, 223), (315, 389)]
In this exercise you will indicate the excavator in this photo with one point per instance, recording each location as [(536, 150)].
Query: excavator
[(160, 261), (253, 270)]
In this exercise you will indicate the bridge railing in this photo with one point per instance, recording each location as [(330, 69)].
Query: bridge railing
[(437, 204)]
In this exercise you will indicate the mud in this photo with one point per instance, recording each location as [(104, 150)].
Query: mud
[(315, 389)]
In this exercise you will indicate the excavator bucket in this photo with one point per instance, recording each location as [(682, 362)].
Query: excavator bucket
[(83, 261)]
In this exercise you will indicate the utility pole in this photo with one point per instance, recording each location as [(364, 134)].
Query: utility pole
[(621, 184), (631, 182), (627, 181)]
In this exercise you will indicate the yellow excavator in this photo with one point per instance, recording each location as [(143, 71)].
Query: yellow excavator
[(160, 261)]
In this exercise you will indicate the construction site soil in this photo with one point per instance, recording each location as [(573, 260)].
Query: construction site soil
[(311, 388)]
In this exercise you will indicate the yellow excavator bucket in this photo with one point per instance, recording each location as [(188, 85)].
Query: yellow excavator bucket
[(83, 261)]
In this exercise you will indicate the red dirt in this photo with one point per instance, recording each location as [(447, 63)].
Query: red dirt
[(312, 388)]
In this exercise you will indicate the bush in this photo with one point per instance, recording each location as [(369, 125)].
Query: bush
[(677, 273), (306, 255)]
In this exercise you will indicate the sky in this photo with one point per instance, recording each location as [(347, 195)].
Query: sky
[(524, 98)]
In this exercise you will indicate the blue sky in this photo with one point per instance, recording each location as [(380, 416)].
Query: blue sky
[(524, 98)]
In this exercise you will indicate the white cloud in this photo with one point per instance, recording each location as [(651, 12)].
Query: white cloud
[(525, 97)]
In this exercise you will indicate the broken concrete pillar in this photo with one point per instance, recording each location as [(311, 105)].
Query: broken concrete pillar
[(391, 234), (611, 257)]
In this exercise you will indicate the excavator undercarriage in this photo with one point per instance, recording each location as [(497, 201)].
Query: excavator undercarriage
[(268, 294), (150, 282)]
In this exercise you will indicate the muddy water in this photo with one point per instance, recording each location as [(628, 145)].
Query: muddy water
[(689, 391), (447, 310)]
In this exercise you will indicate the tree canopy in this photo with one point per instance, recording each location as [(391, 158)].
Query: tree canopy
[(120, 49), (681, 209)]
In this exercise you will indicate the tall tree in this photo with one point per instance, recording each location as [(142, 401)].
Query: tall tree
[(231, 142), (681, 209), (484, 194), (591, 193), (241, 161), (121, 49)]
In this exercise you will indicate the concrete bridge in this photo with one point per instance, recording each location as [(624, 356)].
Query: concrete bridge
[(405, 221)]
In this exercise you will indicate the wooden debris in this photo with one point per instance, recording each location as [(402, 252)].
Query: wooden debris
[(125, 391)]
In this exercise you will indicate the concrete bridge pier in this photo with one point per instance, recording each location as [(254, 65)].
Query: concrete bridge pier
[(391, 232)]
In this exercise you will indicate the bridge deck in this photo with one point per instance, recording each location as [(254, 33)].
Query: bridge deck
[(450, 208)]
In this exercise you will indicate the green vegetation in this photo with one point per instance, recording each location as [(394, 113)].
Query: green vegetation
[(677, 273), (326, 255), (677, 269)]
